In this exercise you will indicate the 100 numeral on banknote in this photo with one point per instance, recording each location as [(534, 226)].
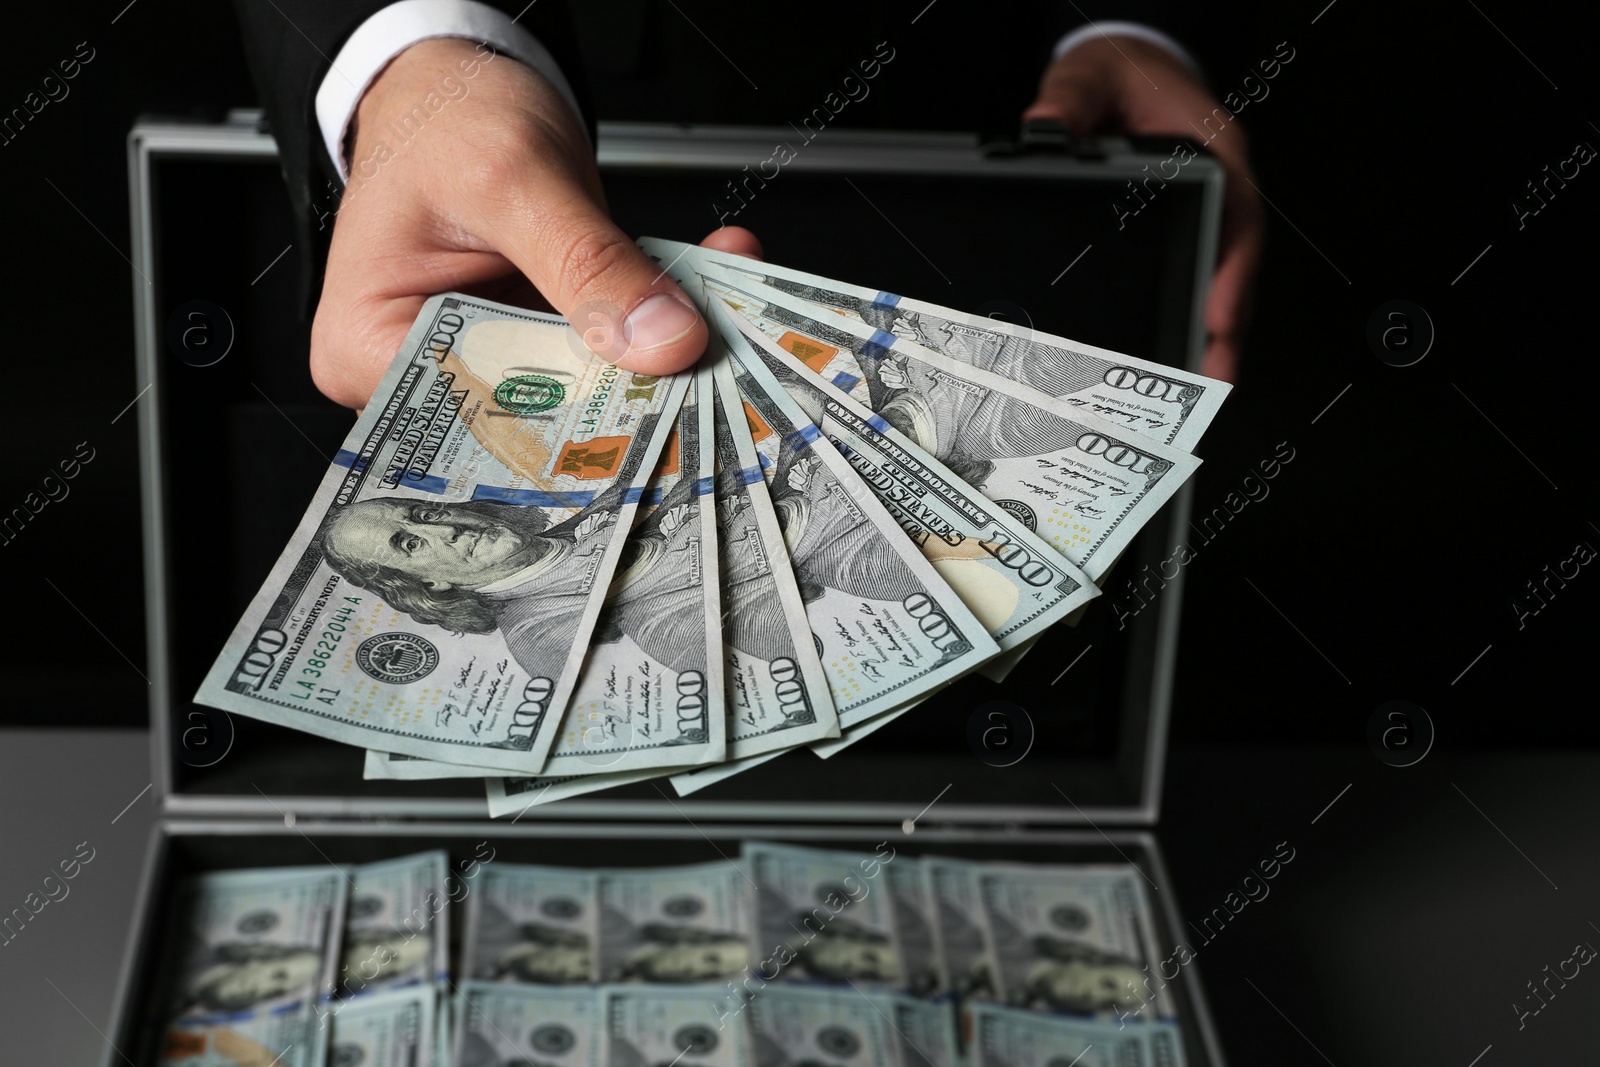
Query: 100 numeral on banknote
[(438, 595)]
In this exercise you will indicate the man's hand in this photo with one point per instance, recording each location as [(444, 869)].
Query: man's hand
[(494, 194), (1105, 87)]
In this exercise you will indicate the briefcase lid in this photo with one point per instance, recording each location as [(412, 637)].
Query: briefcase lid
[(1075, 735)]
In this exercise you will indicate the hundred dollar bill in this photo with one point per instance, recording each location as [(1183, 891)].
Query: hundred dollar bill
[(1072, 939), (515, 1026), (670, 1024), (964, 960), (997, 581), (397, 924), (1083, 484), (862, 730), (674, 924), (255, 962), (777, 692), (833, 911), (438, 594), (925, 1031), (1149, 399), (913, 920), (698, 778), (1005, 1037), (533, 924), (888, 628), (508, 796), (773, 654), (796, 1026), (826, 570), (1014, 582), (650, 693), (290, 1040), (392, 1029)]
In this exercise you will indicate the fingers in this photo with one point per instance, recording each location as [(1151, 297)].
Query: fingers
[(1073, 92), (618, 299), (353, 343), (1227, 310), (1139, 87), (1221, 360), (735, 240)]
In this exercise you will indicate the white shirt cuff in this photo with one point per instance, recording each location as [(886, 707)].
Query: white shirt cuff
[(399, 26), (1093, 31)]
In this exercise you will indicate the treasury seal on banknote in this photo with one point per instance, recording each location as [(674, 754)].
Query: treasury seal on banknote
[(397, 658)]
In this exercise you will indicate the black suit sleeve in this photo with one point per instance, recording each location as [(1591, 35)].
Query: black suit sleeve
[(290, 45)]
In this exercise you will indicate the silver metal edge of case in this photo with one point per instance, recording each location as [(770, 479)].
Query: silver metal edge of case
[(781, 812), (140, 204), (136, 951), (176, 826), (622, 145), (1194, 986), (1171, 611)]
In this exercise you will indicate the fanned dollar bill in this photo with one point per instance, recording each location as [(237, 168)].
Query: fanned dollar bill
[(438, 595), (535, 924), (777, 693), (888, 628), (698, 778), (650, 693), (1003, 1037), (508, 796), (796, 1026), (397, 924), (1150, 399), (861, 730), (256, 954), (848, 581), (1073, 939), (516, 1026), (1012, 580), (780, 439), (1083, 484), (674, 924), (392, 1029), (833, 911), (645, 1025)]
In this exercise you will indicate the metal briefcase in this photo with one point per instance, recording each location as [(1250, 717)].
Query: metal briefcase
[(1026, 770)]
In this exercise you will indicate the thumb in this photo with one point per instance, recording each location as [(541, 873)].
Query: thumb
[(1072, 92), (624, 306)]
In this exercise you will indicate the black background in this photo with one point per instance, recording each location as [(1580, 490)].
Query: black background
[(1390, 148), (1391, 548)]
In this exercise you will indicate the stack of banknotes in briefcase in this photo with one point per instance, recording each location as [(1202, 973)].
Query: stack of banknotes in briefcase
[(530, 566), (837, 958)]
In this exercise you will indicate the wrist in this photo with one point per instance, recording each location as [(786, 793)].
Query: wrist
[(416, 84)]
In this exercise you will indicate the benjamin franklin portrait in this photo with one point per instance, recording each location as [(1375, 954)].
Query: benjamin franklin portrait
[(476, 567)]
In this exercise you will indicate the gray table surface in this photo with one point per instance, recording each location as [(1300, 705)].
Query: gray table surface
[(1422, 902), (60, 789)]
